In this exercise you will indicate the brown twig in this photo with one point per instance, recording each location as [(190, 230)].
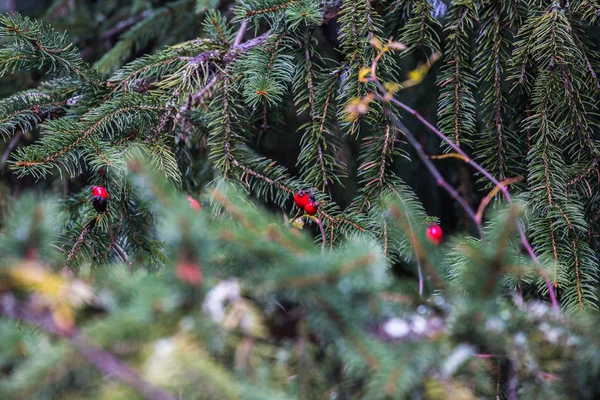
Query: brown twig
[(493, 193)]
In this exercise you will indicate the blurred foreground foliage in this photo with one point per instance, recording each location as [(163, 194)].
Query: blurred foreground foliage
[(247, 307)]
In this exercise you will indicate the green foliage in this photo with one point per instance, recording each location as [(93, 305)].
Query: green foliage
[(160, 24), (456, 104), (29, 44), (420, 32), (241, 105), (562, 131), (267, 304)]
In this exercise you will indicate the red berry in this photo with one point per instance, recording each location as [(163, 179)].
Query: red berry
[(311, 208), (194, 203), (189, 272), (434, 234), (99, 191), (301, 199)]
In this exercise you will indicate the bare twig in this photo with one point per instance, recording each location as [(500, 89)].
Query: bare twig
[(103, 360), (241, 33), (124, 25), (320, 223), (440, 181), (493, 193), (207, 87), (11, 145), (479, 168)]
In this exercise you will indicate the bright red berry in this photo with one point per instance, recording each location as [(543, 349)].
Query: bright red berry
[(194, 203), (311, 208), (100, 198), (434, 234), (100, 192), (301, 199)]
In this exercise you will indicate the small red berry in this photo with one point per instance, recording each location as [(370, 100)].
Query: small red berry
[(189, 272), (100, 198), (434, 234), (301, 199), (99, 191), (194, 203), (311, 208)]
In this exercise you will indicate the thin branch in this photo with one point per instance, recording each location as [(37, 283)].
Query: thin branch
[(11, 146), (207, 87), (480, 169), (493, 193), (106, 362), (241, 33), (124, 25), (323, 242), (440, 181)]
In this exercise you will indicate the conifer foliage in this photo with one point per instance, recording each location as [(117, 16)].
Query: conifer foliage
[(201, 277)]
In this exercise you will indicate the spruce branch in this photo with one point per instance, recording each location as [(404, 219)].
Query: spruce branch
[(498, 143), (31, 44), (79, 242), (456, 103), (420, 30), (420, 254), (279, 185), (118, 249), (26, 110), (404, 221), (314, 91), (376, 157), (559, 128), (585, 173), (153, 25), (67, 135), (274, 8)]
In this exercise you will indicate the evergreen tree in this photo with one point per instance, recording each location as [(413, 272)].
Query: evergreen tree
[(394, 116)]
